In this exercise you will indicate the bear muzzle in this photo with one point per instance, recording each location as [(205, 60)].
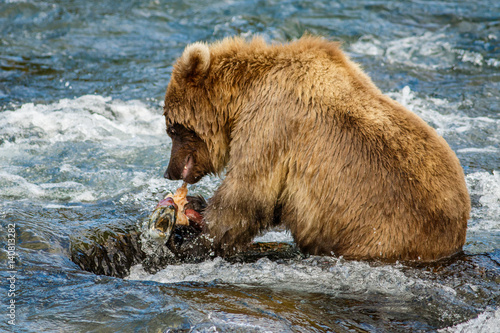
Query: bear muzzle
[(186, 174)]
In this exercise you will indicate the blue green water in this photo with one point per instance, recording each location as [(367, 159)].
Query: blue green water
[(83, 146)]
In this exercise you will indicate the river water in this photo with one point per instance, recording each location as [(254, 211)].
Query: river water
[(83, 147)]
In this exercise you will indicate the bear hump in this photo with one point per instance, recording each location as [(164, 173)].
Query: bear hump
[(193, 65)]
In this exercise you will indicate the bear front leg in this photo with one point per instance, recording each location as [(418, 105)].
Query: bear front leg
[(236, 213)]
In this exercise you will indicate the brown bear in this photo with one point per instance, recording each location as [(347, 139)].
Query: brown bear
[(308, 141)]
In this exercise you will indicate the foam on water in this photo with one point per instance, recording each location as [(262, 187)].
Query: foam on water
[(275, 236), (449, 122), (486, 322), (315, 274), (319, 275), (486, 187), (431, 50), (80, 150), (89, 117)]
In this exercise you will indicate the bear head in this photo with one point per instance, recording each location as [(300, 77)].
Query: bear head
[(199, 141)]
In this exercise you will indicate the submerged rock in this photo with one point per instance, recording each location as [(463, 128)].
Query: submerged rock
[(107, 252)]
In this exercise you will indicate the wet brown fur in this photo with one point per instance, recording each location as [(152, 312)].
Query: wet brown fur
[(309, 141)]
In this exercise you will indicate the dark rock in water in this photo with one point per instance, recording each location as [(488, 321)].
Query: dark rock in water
[(113, 252), (109, 252), (273, 251)]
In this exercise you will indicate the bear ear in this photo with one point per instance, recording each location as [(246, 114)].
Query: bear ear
[(194, 63)]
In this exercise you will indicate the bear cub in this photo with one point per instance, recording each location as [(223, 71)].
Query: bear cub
[(309, 142)]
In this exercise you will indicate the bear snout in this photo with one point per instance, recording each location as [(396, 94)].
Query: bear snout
[(171, 174), (168, 175)]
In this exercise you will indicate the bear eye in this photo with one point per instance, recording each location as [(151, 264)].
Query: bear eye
[(171, 131)]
